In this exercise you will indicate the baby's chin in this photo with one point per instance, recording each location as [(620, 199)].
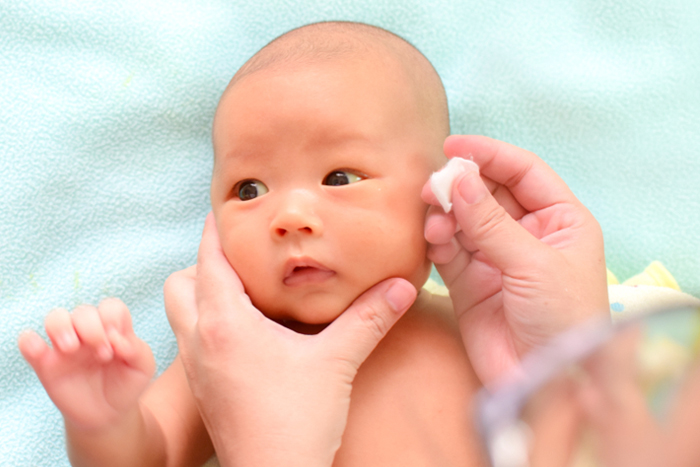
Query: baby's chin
[(315, 314)]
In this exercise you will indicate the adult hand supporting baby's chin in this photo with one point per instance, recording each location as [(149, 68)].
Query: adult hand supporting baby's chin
[(528, 261), (268, 395)]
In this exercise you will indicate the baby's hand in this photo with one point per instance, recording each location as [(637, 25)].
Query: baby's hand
[(528, 261), (97, 368)]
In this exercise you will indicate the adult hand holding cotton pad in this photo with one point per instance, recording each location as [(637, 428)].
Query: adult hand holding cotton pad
[(442, 181)]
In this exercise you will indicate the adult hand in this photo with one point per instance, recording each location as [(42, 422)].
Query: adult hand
[(528, 261), (269, 395)]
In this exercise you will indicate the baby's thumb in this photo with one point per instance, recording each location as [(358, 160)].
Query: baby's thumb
[(489, 228), (355, 333)]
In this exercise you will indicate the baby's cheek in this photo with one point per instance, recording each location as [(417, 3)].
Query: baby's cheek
[(410, 253)]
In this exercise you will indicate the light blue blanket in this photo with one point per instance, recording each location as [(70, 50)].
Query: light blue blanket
[(105, 111)]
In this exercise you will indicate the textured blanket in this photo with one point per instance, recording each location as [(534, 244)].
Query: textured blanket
[(105, 114)]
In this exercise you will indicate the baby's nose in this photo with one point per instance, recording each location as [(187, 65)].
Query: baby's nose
[(297, 216)]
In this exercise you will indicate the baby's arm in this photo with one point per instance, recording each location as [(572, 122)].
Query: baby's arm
[(528, 261), (96, 373)]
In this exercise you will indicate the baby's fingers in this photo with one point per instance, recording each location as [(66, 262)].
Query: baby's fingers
[(132, 351), (127, 347), (33, 348), (59, 328), (88, 325), (115, 314)]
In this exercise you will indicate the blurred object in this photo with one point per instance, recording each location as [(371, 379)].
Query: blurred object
[(612, 279), (653, 289), (628, 301), (602, 394), (654, 274)]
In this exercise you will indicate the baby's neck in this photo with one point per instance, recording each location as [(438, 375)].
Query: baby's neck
[(303, 328)]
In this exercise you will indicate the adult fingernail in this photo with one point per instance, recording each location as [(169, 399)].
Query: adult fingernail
[(400, 296), (471, 187)]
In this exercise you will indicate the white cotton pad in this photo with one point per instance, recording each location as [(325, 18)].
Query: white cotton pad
[(441, 182)]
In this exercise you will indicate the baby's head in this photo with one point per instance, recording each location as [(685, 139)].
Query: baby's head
[(322, 143)]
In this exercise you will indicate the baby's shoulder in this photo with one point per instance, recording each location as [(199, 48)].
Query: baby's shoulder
[(411, 398), (426, 345)]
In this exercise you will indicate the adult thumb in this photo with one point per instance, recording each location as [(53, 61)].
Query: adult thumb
[(180, 301), (356, 332), (488, 228)]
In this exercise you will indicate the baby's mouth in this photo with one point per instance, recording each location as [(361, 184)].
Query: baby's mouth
[(302, 271)]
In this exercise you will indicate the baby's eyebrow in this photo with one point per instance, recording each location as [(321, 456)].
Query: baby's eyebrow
[(345, 138)]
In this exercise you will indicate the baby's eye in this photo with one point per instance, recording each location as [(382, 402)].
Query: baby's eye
[(341, 177), (249, 189)]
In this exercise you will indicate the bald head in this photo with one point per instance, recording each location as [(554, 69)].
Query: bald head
[(329, 41)]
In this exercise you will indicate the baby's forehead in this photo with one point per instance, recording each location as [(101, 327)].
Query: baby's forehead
[(325, 45), (382, 63)]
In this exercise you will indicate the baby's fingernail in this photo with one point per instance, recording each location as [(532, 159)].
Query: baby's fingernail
[(105, 352), (472, 188), (31, 341), (68, 341), (112, 333)]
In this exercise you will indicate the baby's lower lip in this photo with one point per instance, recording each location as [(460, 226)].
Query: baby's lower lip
[(307, 275)]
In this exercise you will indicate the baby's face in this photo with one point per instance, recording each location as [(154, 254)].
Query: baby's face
[(316, 188)]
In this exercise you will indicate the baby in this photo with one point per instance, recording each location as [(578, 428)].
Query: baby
[(323, 144)]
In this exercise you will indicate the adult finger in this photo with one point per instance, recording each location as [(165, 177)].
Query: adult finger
[(218, 285), (533, 183), (429, 197), (356, 332), (444, 253), (440, 227), (489, 229), (504, 197)]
